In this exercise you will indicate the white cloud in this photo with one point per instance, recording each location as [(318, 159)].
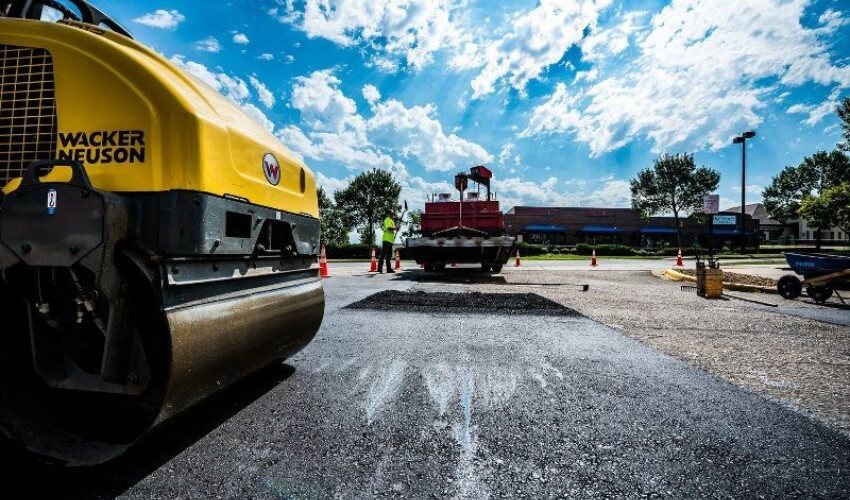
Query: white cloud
[(263, 93), (538, 39), (414, 132), (408, 31), (612, 192), (602, 43), (324, 107), (337, 131), (817, 112), (832, 20), (371, 94), (240, 38), (698, 78), (265, 56), (508, 151), (586, 76), (162, 19), (208, 44), (231, 87)]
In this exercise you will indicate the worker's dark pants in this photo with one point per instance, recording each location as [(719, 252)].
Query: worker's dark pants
[(386, 255)]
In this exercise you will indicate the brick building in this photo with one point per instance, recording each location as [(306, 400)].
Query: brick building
[(571, 225)]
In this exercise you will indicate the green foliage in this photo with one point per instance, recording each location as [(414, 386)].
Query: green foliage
[(673, 184), (347, 251), (814, 175), (832, 208), (528, 250), (365, 200), (843, 112), (335, 227), (413, 225)]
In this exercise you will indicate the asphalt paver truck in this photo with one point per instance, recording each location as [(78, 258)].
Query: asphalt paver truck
[(156, 244), (462, 231)]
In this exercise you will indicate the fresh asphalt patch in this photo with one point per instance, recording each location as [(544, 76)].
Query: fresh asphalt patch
[(463, 303)]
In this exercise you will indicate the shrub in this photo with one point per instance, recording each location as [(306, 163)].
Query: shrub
[(605, 249), (528, 250)]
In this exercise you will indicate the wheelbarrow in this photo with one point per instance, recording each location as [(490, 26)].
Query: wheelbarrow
[(823, 275)]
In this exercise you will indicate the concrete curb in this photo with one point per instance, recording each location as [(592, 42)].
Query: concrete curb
[(673, 275)]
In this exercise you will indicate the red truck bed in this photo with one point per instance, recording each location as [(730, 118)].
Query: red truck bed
[(481, 215)]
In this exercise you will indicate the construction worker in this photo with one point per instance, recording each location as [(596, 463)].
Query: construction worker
[(388, 240)]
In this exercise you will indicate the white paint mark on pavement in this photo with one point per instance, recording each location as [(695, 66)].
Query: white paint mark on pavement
[(385, 387)]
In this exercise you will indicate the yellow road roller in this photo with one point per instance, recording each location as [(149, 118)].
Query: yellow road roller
[(156, 244)]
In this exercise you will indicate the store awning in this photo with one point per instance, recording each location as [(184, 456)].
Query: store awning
[(657, 230), (600, 229), (544, 228)]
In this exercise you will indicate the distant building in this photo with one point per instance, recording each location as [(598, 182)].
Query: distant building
[(795, 231), (561, 226), (769, 229)]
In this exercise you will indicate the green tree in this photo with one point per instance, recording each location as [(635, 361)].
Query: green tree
[(413, 224), (335, 227), (832, 208), (673, 184), (813, 176), (843, 112), (365, 200)]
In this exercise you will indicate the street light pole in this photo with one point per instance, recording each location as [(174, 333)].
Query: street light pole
[(742, 140)]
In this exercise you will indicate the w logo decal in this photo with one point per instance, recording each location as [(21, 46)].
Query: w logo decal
[(271, 169)]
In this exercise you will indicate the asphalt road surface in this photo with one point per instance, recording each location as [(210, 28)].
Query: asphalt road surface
[(450, 404)]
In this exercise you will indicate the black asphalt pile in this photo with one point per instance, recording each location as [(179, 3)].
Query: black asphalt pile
[(463, 303)]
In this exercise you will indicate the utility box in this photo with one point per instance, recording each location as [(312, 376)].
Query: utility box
[(709, 281)]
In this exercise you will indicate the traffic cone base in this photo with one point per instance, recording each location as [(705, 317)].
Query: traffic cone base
[(397, 260), (323, 264), (518, 259), (593, 259), (679, 262)]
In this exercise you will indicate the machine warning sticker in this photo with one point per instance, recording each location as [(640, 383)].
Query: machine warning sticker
[(272, 169), (103, 146), (52, 198)]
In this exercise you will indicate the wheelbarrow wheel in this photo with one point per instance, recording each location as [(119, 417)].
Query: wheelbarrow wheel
[(819, 294), (789, 287)]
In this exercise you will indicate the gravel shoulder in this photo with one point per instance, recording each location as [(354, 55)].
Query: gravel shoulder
[(800, 362)]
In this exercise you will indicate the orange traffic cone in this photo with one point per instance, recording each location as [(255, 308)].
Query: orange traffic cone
[(397, 260), (323, 264), (454, 264), (373, 268), (518, 260), (593, 259), (679, 262)]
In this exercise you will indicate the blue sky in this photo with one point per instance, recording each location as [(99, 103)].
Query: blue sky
[(565, 100)]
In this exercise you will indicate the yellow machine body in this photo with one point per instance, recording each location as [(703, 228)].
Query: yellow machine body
[(175, 131), (156, 244)]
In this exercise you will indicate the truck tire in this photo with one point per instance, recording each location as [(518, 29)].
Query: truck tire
[(789, 287)]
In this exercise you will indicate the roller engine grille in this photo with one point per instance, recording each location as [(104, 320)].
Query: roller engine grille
[(27, 109)]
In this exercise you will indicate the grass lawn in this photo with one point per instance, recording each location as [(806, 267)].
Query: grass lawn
[(569, 256)]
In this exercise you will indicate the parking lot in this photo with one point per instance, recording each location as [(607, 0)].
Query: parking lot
[(629, 389)]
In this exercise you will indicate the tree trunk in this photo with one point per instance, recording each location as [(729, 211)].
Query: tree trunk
[(678, 230), (817, 239)]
